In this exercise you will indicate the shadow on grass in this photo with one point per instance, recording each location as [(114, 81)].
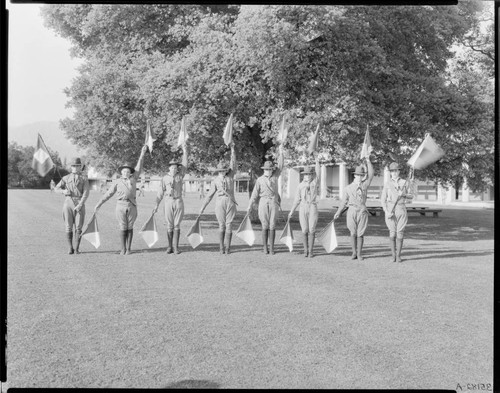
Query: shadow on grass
[(451, 225), (422, 255), (193, 384), (463, 226)]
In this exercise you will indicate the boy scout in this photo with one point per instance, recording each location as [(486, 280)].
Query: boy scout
[(266, 190), (357, 214), (225, 203), (307, 197), (75, 187), (125, 188), (394, 196), (171, 187)]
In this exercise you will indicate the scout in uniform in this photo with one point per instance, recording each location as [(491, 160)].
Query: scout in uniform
[(75, 187), (307, 197), (266, 190), (125, 188), (357, 214), (394, 196), (225, 203), (171, 186)]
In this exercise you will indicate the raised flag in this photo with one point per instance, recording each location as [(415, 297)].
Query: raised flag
[(313, 141), (283, 131), (183, 135), (228, 131), (194, 236), (367, 145), (245, 231), (150, 138), (42, 163), (328, 238), (427, 153), (149, 232), (287, 236), (91, 233)]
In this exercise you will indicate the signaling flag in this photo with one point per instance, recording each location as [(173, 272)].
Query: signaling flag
[(283, 131), (427, 153), (42, 163), (287, 236), (367, 145), (313, 142), (228, 131), (195, 237), (91, 233), (149, 232), (328, 238), (183, 135), (245, 231), (150, 138)]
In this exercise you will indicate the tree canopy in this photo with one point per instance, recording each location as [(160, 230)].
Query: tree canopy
[(392, 68)]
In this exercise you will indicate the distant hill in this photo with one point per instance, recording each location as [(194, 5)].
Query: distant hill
[(54, 138)]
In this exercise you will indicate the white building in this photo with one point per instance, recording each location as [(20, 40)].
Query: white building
[(333, 180)]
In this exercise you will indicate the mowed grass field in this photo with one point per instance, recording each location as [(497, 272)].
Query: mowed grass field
[(247, 320)]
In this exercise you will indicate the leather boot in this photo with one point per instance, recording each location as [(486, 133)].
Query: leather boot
[(306, 245), (399, 246), (78, 235), (360, 247), (69, 237), (123, 241), (265, 234), (353, 246), (130, 235), (177, 235), (229, 235), (222, 235), (170, 235), (392, 242), (272, 234), (311, 244)]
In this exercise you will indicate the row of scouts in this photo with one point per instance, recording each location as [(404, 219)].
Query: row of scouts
[(75, 188)]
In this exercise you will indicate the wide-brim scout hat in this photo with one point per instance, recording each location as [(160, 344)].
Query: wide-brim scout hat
[(222, 167), (174, 162), (76, 162), (394, 167), (268, 165), (360, 170), (127, 165), (307, 170)]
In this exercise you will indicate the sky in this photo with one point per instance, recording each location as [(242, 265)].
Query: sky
[(39, 66)]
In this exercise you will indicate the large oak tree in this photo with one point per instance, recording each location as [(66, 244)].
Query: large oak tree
[(342, 67)]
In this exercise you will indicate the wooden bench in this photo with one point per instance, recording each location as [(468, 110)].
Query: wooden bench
[(412, 209), (423, 210), (375, 209)]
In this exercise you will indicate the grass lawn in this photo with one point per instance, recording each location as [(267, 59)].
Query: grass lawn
[(247, 320)]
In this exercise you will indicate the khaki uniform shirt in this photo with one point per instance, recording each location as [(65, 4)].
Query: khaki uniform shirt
[(222, 187), (78, 185), (171, 186), (307, 193), (390, 192), (266, 187), (124, 189), (355, 195)]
